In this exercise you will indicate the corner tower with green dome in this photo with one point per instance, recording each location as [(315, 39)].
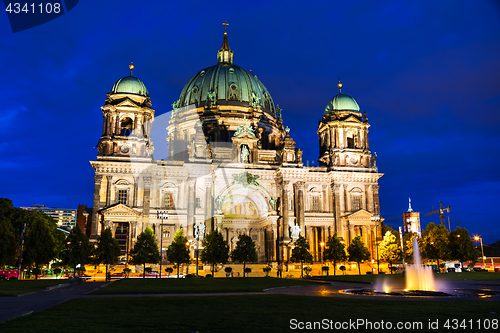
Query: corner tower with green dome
[(344, 150), (127, 118)]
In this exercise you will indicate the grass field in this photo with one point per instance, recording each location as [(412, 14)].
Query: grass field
[(15, 287), (250, 313), (210, 285), (469, 276)]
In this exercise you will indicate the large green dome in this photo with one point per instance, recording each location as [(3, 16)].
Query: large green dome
[(226, 84), (231, 84), (130, 85), (341, 102)]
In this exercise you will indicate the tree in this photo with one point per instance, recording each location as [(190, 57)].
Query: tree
[(462, 246), (435, 244), (390, 250), (358, 251), (334, 251), (76, 250), (145, 250), (244, 251), (178, 251), (8, 245), (60, 241), (215, 250), (39, 244), (108, 249), (300, 253)]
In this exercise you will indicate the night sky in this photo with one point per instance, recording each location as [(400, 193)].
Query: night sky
[(426, 72)]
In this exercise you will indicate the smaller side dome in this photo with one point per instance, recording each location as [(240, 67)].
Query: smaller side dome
[(341, 102), (130, 85)]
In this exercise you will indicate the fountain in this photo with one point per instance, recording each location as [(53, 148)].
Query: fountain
[(419, 277), (419, 282)]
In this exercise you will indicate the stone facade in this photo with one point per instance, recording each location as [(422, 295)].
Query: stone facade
[(233, 166)]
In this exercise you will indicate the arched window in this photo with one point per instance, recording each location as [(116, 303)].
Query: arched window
[(126, 126), (350, 140)]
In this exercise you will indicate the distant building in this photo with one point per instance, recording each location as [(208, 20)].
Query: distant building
[(65, 218), (412, 221), (83, 217)]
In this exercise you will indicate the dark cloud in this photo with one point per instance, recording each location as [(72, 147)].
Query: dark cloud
[(426, 72)]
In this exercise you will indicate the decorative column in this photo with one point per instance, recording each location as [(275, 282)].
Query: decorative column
[(301, 207), (191, 207), (132, 233), (364, 231), (352, 233), (136, 192), (325, 207), (97, 201), (209, 209), (146, 181), (108, 190), (284, 211), (337, 210), (369, 198), (376, 205)]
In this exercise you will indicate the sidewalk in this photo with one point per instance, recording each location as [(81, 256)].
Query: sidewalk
[(11, 307)]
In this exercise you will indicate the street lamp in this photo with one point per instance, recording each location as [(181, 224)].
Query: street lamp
[(376, 219), (477, 238), (197, 233), (162, 215), (322, 251)]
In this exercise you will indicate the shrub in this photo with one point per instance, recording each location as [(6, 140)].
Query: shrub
[(228, 269), (267, 270)]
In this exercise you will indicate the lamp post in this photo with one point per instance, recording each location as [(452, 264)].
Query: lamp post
[(376, 219), (162, 215), (477, 238), (322, 251), (197, 232), (21, 252)]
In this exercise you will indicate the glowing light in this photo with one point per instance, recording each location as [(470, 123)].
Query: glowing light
[(419, 277)]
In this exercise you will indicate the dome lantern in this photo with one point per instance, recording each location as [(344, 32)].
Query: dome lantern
[(225, 54)]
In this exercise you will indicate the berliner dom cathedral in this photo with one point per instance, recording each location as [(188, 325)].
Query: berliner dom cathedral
[(232, 165)]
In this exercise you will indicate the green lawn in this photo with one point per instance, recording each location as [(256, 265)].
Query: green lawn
[(250, 313), (469, 276), (193, 285), (15, 287)]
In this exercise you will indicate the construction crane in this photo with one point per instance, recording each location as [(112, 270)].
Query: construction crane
[(441, 211)]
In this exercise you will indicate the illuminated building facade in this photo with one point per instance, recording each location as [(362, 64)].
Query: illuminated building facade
[(65, 218), (233, 166), (411, 221)]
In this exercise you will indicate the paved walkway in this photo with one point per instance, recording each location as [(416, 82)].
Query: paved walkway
[(11, 307)]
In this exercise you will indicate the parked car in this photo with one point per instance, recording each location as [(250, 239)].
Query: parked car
[(174, 276), (152, 274)]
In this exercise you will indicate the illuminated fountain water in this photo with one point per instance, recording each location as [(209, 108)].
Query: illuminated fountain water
[(419, 282), (419, 277)]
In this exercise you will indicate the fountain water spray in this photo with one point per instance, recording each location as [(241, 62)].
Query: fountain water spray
[(419, 277)]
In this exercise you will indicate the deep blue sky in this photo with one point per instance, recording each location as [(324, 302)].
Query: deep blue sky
[(426, 72)]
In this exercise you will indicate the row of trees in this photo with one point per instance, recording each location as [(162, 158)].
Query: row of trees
[(334, 251), (44, 243), (436, 244), (215, 250)]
